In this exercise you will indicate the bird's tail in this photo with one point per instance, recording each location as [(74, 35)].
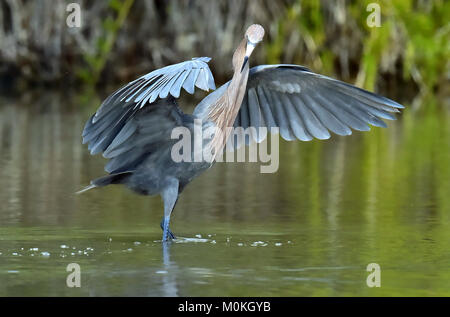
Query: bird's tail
[(106, 180), (86, 189)]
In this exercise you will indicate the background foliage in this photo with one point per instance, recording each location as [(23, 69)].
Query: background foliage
[(120, 39)]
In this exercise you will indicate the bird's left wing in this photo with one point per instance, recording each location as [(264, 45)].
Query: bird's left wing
[(305, 105), (161, 84)]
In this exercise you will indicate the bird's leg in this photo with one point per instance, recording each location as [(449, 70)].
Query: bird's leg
[(170, 197)]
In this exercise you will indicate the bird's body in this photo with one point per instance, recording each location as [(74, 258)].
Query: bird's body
[(151, 174), (133, 127)]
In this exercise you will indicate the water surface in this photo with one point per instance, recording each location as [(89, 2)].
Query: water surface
[(310, 229)]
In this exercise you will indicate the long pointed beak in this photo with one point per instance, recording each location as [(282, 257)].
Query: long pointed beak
[(249, 49), (244, 63)]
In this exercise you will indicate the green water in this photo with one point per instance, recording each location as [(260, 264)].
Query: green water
[(310, 229)]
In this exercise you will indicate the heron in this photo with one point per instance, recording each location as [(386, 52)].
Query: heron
[(132, 127)]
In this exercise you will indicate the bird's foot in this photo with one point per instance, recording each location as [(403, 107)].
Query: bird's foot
[(170, 236), (167, 234)]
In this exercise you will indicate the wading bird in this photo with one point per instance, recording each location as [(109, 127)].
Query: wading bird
[(133, 126)]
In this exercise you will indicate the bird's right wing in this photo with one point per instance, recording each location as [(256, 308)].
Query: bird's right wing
[(305, 105)]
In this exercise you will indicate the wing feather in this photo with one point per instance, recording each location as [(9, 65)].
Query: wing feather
[(189, 83), (161, 83), (280, 116), (125, 131), (305, 105)]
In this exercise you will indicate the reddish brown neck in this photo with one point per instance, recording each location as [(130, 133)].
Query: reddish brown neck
[(223, 113)]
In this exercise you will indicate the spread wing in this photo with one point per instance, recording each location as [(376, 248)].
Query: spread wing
[(160, 83), (124, 130), (305, 105), (146, 133)]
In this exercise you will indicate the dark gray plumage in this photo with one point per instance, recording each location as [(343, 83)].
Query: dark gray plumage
[(305, 105), (133, 126)]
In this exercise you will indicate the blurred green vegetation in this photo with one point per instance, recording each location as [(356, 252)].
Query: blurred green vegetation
[(413, 40), (122, 39), (96, 61)]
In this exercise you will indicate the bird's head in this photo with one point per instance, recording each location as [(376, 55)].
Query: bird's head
[(253, 36)]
